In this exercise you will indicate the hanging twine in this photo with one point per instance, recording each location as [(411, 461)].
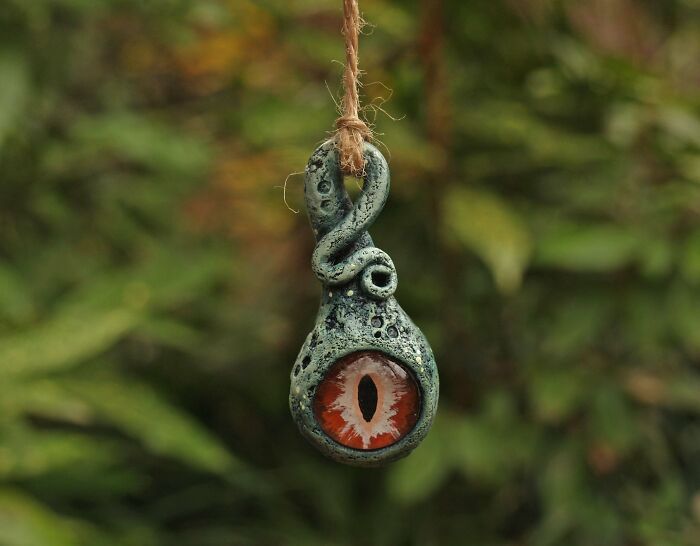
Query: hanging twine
[(351, 130)]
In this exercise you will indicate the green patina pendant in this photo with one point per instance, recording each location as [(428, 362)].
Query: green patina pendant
[(365, 385)]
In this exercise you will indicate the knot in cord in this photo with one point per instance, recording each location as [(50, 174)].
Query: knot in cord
[(352, 132)]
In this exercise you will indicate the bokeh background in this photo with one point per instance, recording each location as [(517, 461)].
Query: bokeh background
[(155, 288)]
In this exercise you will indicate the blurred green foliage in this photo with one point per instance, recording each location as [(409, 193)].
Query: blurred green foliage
[(154, 288)]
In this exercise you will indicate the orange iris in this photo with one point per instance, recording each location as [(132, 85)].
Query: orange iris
[(367, 401)]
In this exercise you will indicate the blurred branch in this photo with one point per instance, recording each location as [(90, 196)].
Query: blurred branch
[(439, 137)]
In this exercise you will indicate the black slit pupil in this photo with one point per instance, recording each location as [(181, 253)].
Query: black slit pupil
[(367, 397)]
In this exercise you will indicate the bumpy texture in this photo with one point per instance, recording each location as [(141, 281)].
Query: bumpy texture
[(358, 310)]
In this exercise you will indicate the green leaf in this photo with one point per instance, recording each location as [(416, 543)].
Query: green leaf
[(487, 447), (14, 91), (491, 446), (160, 426), (487, 226), (683, 314), (573, 328), (678, 391), (586, 248), (152, 284), (95, 317), (19, 397), (137, 139), (557, 393), (611, 419), (170, 333), (690, 261), (683, 392), (65, 340), (424, 471), (563, 489), (656, 258), (25, 522), (25, 452), (15, 301), (682, 123), (510, 126)]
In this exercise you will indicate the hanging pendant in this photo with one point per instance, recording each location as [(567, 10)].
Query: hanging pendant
[(365, 385)]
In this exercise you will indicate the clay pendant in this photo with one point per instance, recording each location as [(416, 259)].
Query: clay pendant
[(364, 386)]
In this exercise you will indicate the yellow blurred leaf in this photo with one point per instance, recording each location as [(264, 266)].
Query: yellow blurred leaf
[(484, 224), (25, 522)]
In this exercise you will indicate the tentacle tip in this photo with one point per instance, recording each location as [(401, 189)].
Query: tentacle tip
[(379, 281)]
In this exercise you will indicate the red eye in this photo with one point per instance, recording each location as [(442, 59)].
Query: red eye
[(367, 401)]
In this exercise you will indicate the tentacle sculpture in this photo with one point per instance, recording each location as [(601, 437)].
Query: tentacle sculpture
[(344, 249), (364, 388)]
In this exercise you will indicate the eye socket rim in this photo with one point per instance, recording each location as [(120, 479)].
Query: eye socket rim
[(409, 372)]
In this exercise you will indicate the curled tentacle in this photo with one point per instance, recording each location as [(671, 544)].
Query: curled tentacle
[(344, 250)]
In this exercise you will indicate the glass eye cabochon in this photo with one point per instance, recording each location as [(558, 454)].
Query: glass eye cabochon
[(367, 401), (358, 312)]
